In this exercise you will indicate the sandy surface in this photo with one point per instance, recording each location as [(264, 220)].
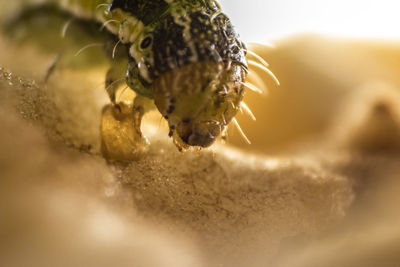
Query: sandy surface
[(318, 187)]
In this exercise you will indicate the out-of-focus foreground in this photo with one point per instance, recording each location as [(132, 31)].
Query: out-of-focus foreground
[(319, 186)]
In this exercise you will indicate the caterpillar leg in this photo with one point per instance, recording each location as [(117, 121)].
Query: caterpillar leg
[(121, 135), (120, 140), (141, 106), (114, 79), (52, 67)]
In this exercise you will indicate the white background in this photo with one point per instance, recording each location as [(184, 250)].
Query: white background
[(263, 20)]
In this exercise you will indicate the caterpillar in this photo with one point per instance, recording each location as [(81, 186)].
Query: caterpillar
[(183, 56)]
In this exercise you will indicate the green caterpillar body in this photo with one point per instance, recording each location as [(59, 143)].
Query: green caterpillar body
[(183, 55)]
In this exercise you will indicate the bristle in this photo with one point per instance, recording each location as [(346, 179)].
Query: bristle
[(122, 93), (115, 49), (65, 27), (108, 22), (213, 17), (114, 82), (86, 47), (255, 79), (241, 131), (251, 62), (265, 63), (248, 110), (107, 5), (252, 87)]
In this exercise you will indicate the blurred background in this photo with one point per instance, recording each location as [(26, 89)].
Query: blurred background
[(261, 21)]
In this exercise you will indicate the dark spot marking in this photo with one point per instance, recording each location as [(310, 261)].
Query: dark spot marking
[(146, 42), (186, 120), (170, 109), (171, 130)]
